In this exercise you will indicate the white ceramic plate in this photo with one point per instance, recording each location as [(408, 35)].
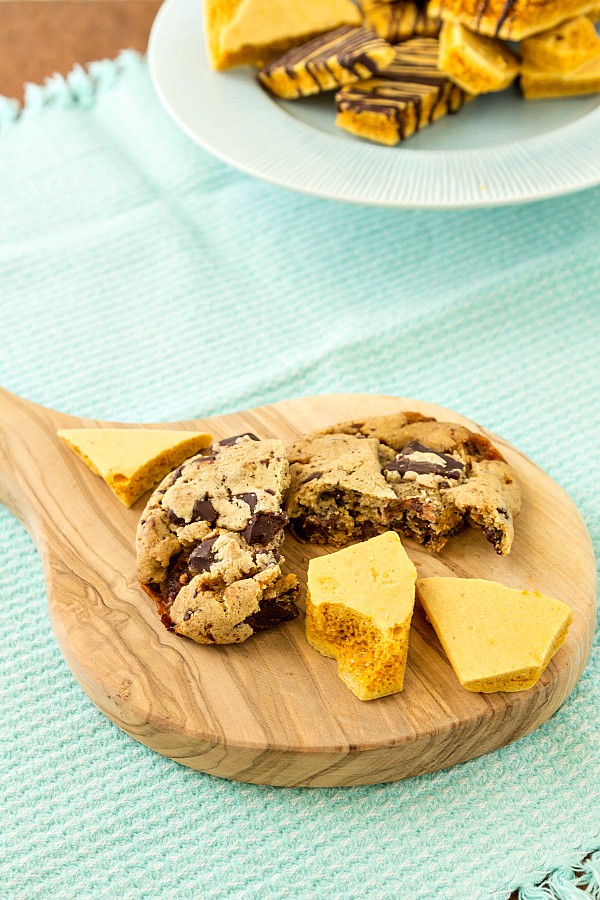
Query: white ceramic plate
[(499, 149)]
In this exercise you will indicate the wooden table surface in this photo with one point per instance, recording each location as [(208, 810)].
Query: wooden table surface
[(41, 37)]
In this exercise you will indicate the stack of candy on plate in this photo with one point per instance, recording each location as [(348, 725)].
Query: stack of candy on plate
[(399, 66)]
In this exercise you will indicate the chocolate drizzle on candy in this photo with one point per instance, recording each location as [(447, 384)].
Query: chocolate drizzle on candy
[(510, 11), (410, 94), (400, 20), (504, 14), (338, 57)]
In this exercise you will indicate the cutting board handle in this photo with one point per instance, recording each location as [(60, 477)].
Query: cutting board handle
[(26, 441)]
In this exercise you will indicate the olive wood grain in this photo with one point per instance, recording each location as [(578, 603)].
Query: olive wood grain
[(272, 710)]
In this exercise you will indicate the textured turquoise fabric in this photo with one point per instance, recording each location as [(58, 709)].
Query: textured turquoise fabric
[(141, 279)]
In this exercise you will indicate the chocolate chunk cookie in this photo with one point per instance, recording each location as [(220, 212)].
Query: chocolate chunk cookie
[(208, 539), (338, 492), (444, 477)]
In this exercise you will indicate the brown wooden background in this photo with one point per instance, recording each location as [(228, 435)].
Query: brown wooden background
[(40, 37)]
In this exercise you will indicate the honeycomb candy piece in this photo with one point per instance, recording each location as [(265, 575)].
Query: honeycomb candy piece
[(132, 460), (512, 20), (477, 63), (359, 607), (563, 48), (400, 20), (329, 61), (411, 94), (539, 84), (496, 638), (239, 32)]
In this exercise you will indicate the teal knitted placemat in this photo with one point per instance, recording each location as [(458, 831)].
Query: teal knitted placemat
[(141, 279)]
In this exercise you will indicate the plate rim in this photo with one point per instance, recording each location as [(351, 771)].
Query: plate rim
[(587, 127)]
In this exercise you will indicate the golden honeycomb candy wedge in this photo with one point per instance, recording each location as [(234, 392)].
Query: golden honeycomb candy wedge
[(563, 48), (246, 31), (539, 84), (496, 638), (477, 63)]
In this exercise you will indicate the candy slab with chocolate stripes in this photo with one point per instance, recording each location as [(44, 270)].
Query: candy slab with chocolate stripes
[(272, 710)]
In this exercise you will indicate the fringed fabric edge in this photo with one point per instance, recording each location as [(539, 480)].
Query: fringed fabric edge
[(81, 87), (580, 882)]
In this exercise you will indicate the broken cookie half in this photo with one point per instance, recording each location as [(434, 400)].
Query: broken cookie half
[(425, 479)]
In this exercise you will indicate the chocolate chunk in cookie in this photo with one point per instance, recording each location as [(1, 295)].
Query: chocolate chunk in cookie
[(228, 442), (264, 527), (416, 460), (203, 556)]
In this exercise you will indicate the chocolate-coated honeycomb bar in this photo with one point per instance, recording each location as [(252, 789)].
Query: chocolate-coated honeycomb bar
[(400, 20), (337, 58), (512, 20), (411, 94)]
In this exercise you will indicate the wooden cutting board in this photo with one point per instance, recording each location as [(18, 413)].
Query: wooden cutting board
[(272, 710)]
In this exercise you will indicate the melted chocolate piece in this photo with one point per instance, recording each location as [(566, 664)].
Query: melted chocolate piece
[(336, 494), (204, 511), (202, 558), (368, 530), (314, 528), (273, 612), (249, 498), (175, 519), (166, 620), (494, 536), (263, 527), (312, 477), (176, 473), (227, 442), (172, 584), (407, 462)]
